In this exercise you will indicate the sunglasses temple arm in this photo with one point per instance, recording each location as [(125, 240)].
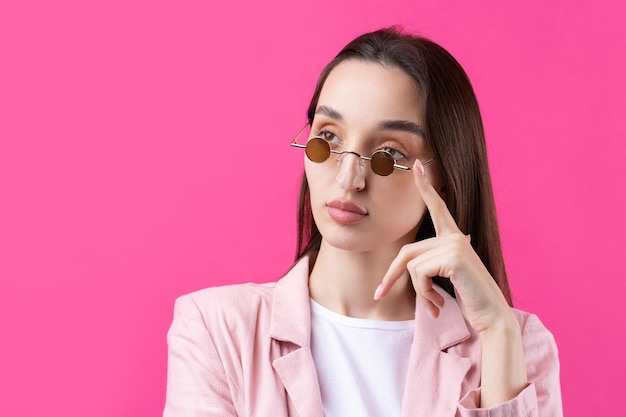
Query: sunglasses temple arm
[(293, 142), (409, 168), (402, 167)]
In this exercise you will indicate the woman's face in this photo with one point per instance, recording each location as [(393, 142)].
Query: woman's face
[(364, 107)]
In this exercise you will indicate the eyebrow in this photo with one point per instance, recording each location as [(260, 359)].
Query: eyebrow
[(404, 126), (329, 112), (399, 125)]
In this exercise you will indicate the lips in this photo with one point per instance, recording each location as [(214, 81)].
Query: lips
[(346, 212)]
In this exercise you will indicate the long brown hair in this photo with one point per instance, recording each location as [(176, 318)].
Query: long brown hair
[(454, 130)]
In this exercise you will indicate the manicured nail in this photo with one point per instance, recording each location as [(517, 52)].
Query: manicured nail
[(419, 166), (377, 292)]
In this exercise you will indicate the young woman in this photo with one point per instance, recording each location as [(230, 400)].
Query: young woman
[(398, 303)]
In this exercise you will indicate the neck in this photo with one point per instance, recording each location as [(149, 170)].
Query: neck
[(345, 282)]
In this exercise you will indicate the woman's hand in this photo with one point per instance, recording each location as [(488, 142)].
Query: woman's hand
[(449, 254)]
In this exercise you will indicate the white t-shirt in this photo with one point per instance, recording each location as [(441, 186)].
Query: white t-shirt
[(361, 364)]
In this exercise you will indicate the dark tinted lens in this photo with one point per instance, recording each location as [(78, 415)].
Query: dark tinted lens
[(382, 163), (317, 150)]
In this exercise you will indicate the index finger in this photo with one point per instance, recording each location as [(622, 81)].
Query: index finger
[(440, 215)]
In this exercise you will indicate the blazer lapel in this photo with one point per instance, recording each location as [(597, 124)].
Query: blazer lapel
[(291, 329), (433, 385), (297, 371)]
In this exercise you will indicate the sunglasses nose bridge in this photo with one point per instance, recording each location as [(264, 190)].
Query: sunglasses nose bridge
[(357, 157), (319, 150), (343, 153)]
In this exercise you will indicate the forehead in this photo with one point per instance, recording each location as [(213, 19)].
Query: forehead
[(363, 90)]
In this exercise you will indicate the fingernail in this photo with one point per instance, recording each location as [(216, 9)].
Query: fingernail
[(377, 292), (419, 166)]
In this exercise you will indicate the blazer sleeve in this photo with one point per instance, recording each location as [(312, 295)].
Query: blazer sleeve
[(542, 397), (197, 384)]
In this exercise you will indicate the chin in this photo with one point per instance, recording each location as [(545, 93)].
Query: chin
[(353, 240), (363, 237), (348, 238), (351, 246)]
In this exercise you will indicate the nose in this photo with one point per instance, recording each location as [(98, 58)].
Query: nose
[(351, 175)]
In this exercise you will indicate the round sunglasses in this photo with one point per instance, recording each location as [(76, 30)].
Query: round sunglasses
[(317, 149)]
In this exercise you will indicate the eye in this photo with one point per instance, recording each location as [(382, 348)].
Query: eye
[(395, 154), (329, 137)]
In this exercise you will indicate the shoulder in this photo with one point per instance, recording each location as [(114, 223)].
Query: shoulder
[(542, 363), (226, 304), (539, 344), (531, 325), (243, 309)]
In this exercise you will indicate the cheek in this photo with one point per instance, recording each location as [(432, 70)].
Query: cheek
[(400, 204), (409, 211), (315, 178), (310, 176)]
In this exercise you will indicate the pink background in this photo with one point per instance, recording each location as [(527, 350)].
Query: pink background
[(144, 154)]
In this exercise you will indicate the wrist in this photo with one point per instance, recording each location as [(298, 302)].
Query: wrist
[(503, 374), (503, 327)]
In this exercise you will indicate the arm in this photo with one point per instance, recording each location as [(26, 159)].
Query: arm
[(197, 384), (542, 397), (503, 372), (506, 358)]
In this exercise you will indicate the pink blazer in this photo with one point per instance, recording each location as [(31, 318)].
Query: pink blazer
[(243, 350)]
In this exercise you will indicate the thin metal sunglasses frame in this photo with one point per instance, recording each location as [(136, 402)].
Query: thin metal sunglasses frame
[(295, 144)]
